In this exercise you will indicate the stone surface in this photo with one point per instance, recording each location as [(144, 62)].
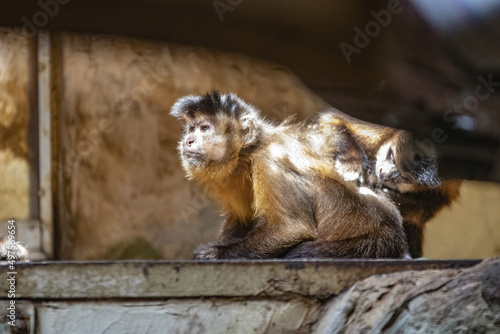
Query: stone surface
[(254, 296), (178, 316), (441, 301)]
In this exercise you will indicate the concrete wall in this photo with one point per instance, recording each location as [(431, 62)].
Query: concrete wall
[(470, 228), (14, 115)]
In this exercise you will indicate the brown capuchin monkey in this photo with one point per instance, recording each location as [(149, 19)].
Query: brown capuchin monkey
[(388, 159), (281, 195)]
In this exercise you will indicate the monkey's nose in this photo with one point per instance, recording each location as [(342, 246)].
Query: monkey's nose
[(190, 142)]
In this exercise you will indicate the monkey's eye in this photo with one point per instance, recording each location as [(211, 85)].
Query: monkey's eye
[(204, 128), (191, 128)]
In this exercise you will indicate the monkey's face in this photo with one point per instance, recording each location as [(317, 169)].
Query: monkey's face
[(203, 142), (402, 167), (216, 129)]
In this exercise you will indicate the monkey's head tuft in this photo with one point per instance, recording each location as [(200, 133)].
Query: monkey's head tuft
[(211, 104), (217, 127)]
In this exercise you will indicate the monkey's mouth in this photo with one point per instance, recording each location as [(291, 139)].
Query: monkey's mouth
[(402, 187), (193, 154), (396, 183), (194, 157), (393, 179), (403, 183)]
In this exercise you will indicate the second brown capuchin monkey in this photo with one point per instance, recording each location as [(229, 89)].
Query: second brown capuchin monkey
[(281, 195), (388, 159)]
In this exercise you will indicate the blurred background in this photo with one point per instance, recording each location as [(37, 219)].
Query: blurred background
[(104, 181)]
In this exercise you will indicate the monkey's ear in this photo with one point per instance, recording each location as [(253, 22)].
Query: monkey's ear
[(184, 107), (250, 129), (249, 118)]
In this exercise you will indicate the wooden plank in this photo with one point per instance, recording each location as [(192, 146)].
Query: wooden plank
[(45, 149), (167, 279)]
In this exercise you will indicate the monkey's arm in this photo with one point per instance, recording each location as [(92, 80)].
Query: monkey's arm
[(265, 240)]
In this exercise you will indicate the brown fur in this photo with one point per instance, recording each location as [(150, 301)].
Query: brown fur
[(421, 204), (281, 195), (388, 159)]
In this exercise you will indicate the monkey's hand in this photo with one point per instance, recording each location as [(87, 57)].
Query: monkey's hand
[(206, 252)]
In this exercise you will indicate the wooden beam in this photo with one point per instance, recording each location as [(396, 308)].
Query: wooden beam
[(45, 146), (169, 279)]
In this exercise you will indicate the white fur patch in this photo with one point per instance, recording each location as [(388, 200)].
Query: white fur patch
[(366, 191), (292, 150), (317, 141), (277, 151), (347, 174)]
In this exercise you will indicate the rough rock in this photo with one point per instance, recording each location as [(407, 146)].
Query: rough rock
[(431, 301)]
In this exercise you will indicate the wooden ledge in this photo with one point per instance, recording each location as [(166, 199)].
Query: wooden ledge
[(173, 279)]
